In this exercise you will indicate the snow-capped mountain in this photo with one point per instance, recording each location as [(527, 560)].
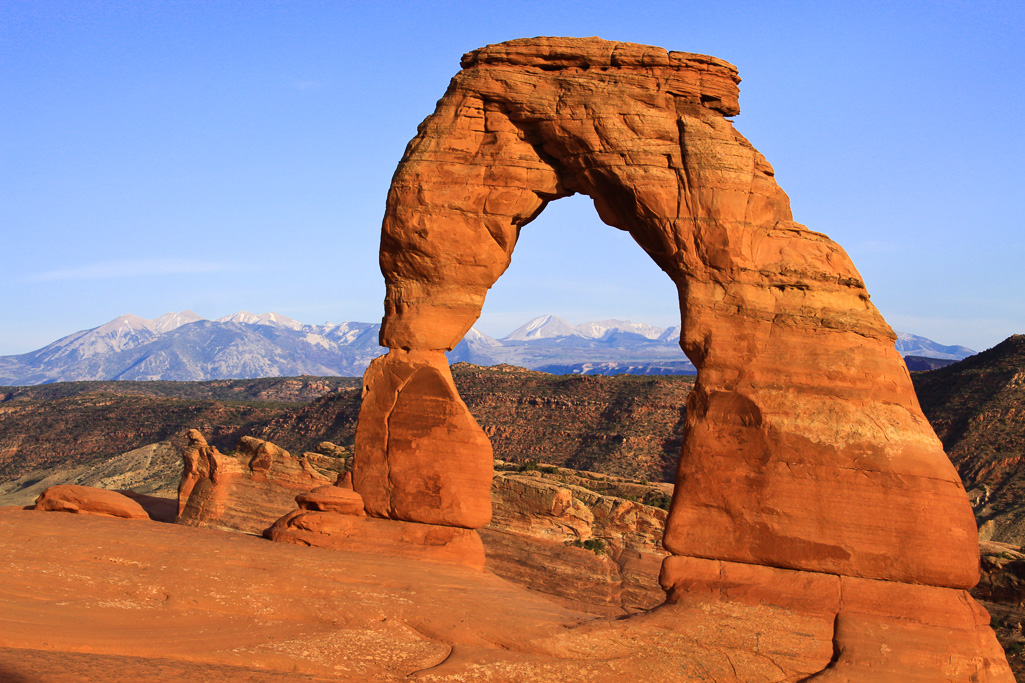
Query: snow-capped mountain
[(542, 327), (911, 345), (551, 327), (184, 346), (272, 319), (170, 321), (551, 344)]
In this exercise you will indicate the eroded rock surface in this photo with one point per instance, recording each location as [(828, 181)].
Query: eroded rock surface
[(573, 543), (805, 446), (421, 457), (92, 598), (246, 490)]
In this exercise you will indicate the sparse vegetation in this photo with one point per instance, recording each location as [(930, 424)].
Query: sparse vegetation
[(595, 545)]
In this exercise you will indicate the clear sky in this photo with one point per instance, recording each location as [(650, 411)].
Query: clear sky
[(221, 156)]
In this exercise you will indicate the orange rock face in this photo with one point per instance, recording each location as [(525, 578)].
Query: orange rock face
[(247, 490), (421, 457), (805, 449)]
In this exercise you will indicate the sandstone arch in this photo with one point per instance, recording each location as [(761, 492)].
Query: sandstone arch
[(806, 446), (806, 449)]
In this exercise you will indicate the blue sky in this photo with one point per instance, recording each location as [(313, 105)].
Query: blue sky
[(221, 156)]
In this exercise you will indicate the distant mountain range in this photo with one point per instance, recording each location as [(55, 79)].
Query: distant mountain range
[(183, 346)]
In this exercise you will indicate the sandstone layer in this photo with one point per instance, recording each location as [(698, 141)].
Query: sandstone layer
[(600, 553), (805, 446), (246, 490), (335, 517)]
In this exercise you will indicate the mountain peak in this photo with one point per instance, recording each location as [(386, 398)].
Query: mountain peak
[(172, 320), (913, 345), (272, 319), (542, 327), (123, 323)]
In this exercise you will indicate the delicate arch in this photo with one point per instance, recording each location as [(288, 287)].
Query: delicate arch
[(805, 447)]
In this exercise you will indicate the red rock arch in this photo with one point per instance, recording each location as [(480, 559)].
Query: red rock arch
[(806, 448)]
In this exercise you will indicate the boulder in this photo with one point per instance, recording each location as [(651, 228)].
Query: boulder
[(86, 500)]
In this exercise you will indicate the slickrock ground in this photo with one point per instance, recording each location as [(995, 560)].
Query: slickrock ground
[(89, 598)]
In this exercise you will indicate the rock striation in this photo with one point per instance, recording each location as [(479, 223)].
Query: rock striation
[(806, 453), (246, 490), (553, 532)]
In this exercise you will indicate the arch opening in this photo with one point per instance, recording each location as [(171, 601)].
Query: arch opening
[(568, 264)]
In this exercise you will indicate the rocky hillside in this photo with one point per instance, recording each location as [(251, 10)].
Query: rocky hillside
[(82, 424), (623, 424), (977, 407), (629, 425)]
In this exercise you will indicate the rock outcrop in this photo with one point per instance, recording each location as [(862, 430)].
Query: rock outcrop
[(1002, 592), (805, 451), (335, 517), (86, 500), (246, 490), (554, 533)]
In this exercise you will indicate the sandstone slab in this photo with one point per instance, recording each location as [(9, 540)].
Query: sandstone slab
[(429, 542), (876, 630), (150, 601), (86, 500)]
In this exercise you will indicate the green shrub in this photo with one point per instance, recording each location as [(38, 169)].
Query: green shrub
[(595, 545)]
